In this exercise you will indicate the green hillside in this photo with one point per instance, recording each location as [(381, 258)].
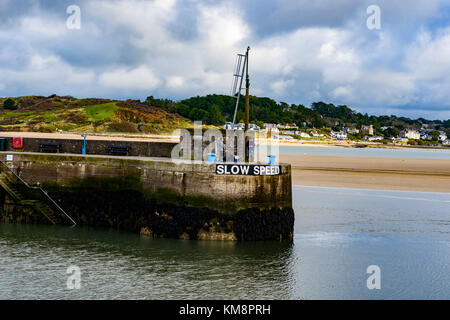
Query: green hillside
[(216, 109), (68, 114), (56, 113)]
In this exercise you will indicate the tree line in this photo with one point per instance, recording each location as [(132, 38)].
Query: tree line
[(217, 109)]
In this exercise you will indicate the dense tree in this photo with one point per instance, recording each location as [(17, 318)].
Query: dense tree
[(197, 114), (215, 115), (391, 132), (435, 135), (9, 104), (216, 109)]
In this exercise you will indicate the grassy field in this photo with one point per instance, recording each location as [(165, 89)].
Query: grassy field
[(68, 114), (101, 111)]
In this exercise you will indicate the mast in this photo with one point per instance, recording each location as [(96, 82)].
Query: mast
[(247, 92), (241, 67)]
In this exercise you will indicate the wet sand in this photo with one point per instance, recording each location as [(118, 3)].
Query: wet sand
[(430, 175)]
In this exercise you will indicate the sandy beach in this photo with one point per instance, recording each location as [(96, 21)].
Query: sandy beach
[(430, 175)]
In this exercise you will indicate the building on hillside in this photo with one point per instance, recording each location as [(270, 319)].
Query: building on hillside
[(287, 126), (304, 135), (399, 140), (367, 130), (351, 130), (240, 126), (410, 134), (340, 135), (282, 137), (442, 136), (254, 127), (426, 136), (373, 138), (446, 142), (317, 134), (271, 127), (228, 125)]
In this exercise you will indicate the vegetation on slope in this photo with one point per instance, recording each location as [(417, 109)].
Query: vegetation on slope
[(68, 114), (55, 113), (216, 109)]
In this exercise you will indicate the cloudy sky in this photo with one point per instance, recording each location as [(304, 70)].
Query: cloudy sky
[(301, 51)]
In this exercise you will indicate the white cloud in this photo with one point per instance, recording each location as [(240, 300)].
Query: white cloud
[(279, 87), (40, 63), (136, 48), (175, 82), (42, 27), (343, 93), (141, 78)]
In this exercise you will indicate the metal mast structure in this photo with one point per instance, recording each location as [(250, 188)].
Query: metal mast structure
[(241, 66), (247, 92)]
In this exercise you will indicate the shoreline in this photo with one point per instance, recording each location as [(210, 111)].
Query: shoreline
[(409, 174), (169, 138), (352, 145), (426, 175)]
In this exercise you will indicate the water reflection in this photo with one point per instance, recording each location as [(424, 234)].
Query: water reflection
[(124, 265), (338, 233)]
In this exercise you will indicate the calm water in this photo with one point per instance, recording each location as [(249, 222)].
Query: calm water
[(367, 152), (338, 233)]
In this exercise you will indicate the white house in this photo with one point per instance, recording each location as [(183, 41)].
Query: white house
[(240, 126), (340, 135), (287, 126), (228, 125), (304, 135), (410, 134), (272, 127), (253, 126), (373, 138), (317, 134), (400, 140), (425, 136), (283, 137), (351, 130)]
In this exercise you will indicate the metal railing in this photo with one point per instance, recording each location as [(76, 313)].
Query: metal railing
[(38, 188)]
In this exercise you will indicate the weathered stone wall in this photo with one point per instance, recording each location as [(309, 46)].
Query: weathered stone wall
[(21, 213), (192, 181), (161, 198), (138, 148), (129, 210)]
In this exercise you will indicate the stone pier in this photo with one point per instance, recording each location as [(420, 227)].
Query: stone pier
[(160, 198)]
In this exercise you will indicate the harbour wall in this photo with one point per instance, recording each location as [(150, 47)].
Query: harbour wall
[(98, 147), (158, 197)]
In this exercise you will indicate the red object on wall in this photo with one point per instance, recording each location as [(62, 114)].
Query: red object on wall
[(17, 143)]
